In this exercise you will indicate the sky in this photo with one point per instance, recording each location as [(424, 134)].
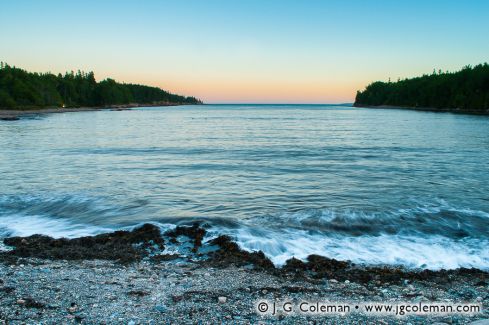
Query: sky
[(253, 51)]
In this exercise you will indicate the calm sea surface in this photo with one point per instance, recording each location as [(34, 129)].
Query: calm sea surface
[(374, 186)]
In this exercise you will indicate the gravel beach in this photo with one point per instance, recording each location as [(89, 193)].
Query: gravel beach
[(212, 281), (56, 292)]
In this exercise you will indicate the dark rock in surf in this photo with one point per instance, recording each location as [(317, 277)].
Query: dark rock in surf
[(324, 267), (194, 232), (229, 253), (294, 265), (122, 246), (318, 267)]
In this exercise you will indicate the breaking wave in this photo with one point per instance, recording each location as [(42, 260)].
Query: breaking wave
[(433, 236)]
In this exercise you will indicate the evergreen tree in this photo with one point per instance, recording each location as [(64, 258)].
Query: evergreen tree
[(465, 90), (22, 89)]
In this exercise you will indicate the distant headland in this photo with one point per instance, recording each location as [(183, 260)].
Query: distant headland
[(23, 90), (464, 91)]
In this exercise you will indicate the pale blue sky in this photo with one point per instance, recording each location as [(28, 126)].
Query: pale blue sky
[(246, 51)]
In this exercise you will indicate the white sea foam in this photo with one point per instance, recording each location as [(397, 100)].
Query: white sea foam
[(423, 236), (418, 237), (27, 225), (435, 252)]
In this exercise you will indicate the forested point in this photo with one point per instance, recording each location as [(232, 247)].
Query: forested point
[(20, 89), (466, 90)]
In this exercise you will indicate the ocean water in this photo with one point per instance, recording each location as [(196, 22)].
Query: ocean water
[(374, 186)]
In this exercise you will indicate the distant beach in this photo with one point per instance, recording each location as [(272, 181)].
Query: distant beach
[(15, 114)]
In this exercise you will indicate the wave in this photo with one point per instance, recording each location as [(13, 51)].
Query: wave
[(437, 218), (434, 235), (22, 225), (79, 208), (433, 252)]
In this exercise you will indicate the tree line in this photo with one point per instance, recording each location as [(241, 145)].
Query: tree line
[(464, 90), (22, 90)]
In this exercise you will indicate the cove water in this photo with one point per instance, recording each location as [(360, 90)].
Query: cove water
[(374, 186)]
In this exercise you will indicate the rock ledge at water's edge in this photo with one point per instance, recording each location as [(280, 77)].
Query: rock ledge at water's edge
[(179, 276)]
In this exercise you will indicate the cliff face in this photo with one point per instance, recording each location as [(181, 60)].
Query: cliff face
[(465, 91)]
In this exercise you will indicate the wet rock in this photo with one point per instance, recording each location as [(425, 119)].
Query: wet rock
[(7, 290), (229, 253), (195, 232), (123, 246), (222, 300), (165, 257), (30, 303), (322, 267), (138, 293), (177, 298), (73, 308), (161, 308), (294, 265)]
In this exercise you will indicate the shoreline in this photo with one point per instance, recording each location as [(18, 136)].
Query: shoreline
[(425, 109), (143, 275), (15, 114)]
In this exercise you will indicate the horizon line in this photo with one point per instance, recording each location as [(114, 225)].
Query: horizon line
[(238, 103)]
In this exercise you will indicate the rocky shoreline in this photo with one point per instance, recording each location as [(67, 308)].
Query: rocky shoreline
[(180, 276), (16, 114), (426, 109)]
